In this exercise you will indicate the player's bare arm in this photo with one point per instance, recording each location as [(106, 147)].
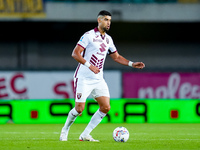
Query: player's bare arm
[(120, 59), (76, 54)]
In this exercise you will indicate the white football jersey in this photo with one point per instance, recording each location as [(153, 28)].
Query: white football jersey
[(96, 47)]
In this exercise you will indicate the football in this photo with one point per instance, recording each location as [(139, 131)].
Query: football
[(120, 134)]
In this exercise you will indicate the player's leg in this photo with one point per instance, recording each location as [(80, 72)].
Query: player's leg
[(80, 97), (104, 103), (72, 115), (102, 96)]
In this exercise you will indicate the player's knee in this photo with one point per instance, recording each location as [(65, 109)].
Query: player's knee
[(105, 109), (79, 109), (108, 109)]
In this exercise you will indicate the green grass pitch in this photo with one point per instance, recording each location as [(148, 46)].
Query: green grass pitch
[(142, 137)]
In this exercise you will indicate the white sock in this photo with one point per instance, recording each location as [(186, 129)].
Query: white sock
[(70, 119), (95, 120)]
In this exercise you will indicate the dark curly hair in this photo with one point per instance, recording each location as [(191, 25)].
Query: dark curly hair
[(104, 13)]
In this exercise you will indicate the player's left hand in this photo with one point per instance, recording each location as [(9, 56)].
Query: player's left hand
[(139, 65)]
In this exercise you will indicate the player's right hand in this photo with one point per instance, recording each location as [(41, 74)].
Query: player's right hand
[(94, 69)]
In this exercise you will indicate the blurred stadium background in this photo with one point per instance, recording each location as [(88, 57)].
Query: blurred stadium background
[(36, 67)]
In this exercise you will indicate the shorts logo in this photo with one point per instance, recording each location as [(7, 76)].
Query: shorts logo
[(79, 95)]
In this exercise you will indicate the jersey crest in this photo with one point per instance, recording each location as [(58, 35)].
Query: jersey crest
[(107, 40)]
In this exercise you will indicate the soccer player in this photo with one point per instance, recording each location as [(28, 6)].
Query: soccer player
[(90, 52)]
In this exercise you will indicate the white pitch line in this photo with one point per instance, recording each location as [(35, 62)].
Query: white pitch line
[(98, 133), (133, 139)]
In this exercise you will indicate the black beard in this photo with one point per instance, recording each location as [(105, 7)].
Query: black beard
[(105, 30)]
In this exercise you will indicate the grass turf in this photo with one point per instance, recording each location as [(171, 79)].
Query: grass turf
[(142, 137)]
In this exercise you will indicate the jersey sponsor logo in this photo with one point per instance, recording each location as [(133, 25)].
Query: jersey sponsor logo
[(97, 40), (96, 62), (79, 95), (100, 54), (103, 47)]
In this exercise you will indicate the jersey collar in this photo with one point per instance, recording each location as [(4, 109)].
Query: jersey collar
[(96, 30)]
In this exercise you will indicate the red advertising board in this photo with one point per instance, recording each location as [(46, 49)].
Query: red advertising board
[(161, 85)]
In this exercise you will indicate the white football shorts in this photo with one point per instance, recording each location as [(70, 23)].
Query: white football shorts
[(85, 87)]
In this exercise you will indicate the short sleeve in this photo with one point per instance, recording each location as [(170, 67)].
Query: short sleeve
[(112, 49), (84, 40)]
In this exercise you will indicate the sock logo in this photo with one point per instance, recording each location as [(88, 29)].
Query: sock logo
[(73, 115)]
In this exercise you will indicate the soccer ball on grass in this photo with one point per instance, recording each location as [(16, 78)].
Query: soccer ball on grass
[(120, 134)]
